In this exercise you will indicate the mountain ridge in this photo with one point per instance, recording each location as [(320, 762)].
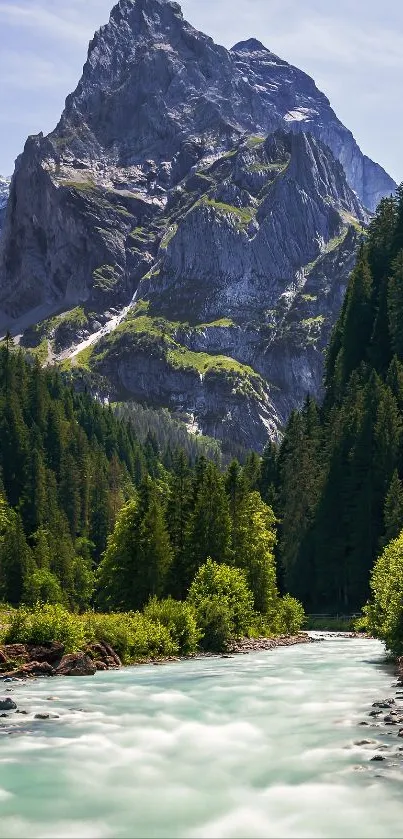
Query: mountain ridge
[(203, 182)]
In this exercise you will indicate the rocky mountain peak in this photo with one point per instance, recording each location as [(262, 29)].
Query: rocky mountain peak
[(252, 45), (194, 217)]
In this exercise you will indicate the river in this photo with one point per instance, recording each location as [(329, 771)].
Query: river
[(251, 746)]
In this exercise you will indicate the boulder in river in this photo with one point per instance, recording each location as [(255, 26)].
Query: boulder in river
[(76, 664), (7, 704)]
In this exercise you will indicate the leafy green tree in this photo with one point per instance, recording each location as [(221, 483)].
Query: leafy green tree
[(41, 586), (255, 540), (223, 603), (384, 613)]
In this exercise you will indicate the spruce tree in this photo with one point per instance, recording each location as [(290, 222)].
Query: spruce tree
[(393, 510)]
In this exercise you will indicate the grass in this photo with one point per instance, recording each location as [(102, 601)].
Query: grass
[(41, 352), (141, 235), (222, 322), (183, 358), (139, 325), (316, 321), (330, 246), (83, 358), (254, 141), (80, 186), (267, 167), (105, 277), (352, 221), (243, 215)]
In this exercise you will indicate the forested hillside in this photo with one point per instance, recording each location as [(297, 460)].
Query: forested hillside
[(336, 481), (91, 517)]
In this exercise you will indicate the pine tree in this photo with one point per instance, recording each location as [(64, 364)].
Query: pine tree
[(209, 529), (179, 508), (393, 510), (395, 305)]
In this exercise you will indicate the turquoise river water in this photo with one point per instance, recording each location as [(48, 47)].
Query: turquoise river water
[(261, 745)]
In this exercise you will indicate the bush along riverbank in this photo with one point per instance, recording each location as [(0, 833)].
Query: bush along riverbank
[(218, 616)]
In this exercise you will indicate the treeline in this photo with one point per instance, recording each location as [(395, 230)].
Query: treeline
[(67, 465), (336, 482), (92, 517), (170, 434)]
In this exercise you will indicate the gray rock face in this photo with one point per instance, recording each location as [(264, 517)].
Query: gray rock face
[(294, 97), (4, 193), (158, 184)]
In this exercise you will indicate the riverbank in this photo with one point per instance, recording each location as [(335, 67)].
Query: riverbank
[(24, 661)]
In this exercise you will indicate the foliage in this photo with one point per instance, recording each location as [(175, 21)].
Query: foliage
[(290, 615), (223, 602), (106, 508), (44, 624), (337, 488), (134, 636), (179, 618), (383, 615), (138, 557)]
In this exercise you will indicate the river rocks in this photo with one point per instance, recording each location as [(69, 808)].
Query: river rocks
[(377, 758), (49, 653), (78, 664), (250, 645), (33, 669), (102, 652), (386, 703), (26, 661), (7, 704)]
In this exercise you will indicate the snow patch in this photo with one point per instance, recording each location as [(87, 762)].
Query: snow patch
[(299, 115)]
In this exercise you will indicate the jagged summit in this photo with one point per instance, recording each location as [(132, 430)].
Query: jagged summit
[(216, 188), (251, 45)]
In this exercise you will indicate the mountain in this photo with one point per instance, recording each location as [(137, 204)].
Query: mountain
[(187, 231), (4, 193)]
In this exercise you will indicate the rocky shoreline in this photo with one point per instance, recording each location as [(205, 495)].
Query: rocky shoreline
[(24, 661), (386, 722)]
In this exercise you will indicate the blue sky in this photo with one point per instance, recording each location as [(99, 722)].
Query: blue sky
[(353, 49)]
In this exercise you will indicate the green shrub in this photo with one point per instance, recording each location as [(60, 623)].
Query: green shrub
[(134, 636), (215, 620), (291, 615), (44, 624), (180, 619), (223, 601)]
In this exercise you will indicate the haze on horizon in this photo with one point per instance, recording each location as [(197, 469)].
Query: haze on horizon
[(354, 53)]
